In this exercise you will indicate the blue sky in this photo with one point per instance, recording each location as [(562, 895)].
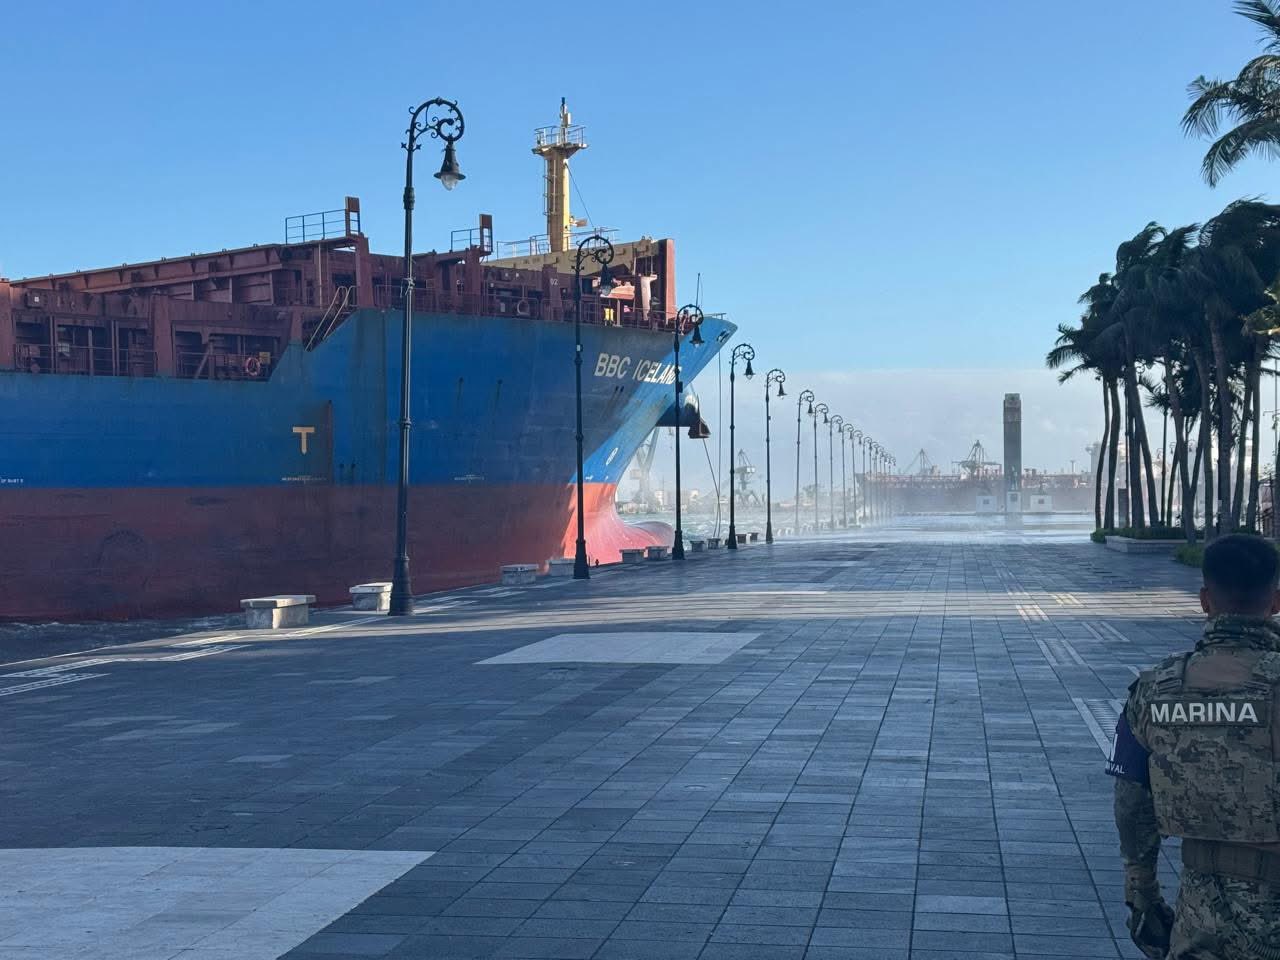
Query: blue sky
[(869, 185)]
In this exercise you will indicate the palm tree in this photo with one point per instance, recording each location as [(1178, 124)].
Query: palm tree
[(1095, 347), (1074, 346), (1133, 312), (1230, 273), (1249, 103)]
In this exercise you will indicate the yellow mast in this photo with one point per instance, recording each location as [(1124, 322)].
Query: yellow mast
[(556, 145)]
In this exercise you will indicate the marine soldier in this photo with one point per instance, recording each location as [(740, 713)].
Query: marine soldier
[(1197, 756)]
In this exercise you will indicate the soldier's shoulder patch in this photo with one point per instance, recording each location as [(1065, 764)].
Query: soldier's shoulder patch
[(1225, 711)]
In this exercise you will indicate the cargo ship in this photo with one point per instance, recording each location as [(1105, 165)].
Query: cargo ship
[(178, 434)]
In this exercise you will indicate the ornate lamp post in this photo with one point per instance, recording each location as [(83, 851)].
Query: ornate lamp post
[(868, 489), (743, 351), (892, 462), (836, 425), (823, 409), (689, 315), (773, 376), (878, 499), (838, 422), (806, 396), (443, 121), (856, 437), (599, 249)]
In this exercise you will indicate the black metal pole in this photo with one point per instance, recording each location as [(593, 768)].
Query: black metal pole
[(683, 315), (844, 484), (602, 254), (743, 351), (677, 544), (768, 474), (449, 128), (866, 485), (806, 396), (831, 470), (773, 376), (581, 569), (817, 523), (818, 408)]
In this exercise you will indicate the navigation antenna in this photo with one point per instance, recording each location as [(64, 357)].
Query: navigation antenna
[(556, 144)]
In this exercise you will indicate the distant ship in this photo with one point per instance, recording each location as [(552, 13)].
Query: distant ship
[(179, 434)]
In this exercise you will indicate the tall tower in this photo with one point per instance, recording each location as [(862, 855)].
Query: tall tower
[(556, 145), (1013, 451)]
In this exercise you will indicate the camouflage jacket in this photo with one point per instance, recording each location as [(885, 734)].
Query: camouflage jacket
[(1194, 753)]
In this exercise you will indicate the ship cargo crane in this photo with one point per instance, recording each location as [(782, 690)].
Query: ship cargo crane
[(976, 463), (743, 472), (926, 468)]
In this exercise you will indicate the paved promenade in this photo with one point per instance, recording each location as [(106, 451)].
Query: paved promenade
[(882, 747)]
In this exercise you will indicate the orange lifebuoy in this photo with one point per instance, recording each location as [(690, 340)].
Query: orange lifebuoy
[(252, 366)]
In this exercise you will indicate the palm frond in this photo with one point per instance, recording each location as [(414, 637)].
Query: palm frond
[(1266, 14), (1254, 136)]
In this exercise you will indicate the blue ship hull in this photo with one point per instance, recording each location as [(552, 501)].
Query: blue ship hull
[(151, 496)]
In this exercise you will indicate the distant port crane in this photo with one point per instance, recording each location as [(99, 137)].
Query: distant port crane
[(976, 463)]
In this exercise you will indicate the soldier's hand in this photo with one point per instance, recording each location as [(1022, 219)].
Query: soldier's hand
[(1150, 926)]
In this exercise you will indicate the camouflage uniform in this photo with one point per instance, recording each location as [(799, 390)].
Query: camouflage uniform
[(1197, 755)]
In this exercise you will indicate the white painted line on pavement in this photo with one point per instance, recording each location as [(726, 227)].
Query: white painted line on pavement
[(48, 682)]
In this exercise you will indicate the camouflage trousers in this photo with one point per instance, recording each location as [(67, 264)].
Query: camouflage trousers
[(1222, 918)]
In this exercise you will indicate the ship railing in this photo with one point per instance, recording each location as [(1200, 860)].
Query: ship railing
[(322, 225), (208, 365), (540, 244), (595, 310), (85, 360)]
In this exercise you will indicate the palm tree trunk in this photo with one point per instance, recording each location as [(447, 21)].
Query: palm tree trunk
[(1203, 445), (1102, 458), (1242, 446), (1153, 505), (1255, 376), (1179, 458), (1132, 452), (1113, 456), (1166, 479), (1222, 381), (1195, 486)]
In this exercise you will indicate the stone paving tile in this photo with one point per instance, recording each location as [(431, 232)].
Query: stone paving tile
[(896, 767)]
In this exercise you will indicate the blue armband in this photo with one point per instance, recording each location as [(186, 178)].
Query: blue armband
[(1128, 759)]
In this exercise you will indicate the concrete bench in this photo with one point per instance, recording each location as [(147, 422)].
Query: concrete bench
[(657, 553), (754, 536), (271, 613), (371, 596), (518, 574), (633, 555), (713, 543), (698, 545), (560, 567), (742, 538)]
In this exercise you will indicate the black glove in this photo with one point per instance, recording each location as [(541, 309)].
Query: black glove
[(1150, 926)]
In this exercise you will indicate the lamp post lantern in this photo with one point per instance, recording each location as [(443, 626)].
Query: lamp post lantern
[(689, 315), (442, 120), (823, 409), (773, 376), (599, 249), (806, 396), (743, 351), (835, 426)]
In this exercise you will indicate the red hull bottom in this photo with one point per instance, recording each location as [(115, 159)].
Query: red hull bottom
[(114, 554)]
